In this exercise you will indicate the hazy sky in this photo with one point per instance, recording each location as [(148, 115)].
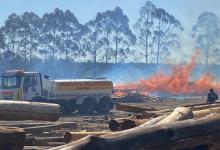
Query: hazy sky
[(186, 11)]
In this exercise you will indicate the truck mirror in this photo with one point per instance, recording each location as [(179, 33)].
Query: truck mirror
[(46, 76)]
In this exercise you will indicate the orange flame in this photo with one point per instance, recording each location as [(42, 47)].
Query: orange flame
[(176, 83)]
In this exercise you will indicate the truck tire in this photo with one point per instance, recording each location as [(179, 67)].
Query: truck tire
[(39, 99), (104, 106), (88, 106), (65, 108)]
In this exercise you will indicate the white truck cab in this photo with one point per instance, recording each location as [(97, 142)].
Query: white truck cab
[(19, 85)]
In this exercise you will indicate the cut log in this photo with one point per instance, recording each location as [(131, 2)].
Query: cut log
[(180, 113), (21, 110), (152, 112), (155, 120), (25, 124), (205, 112), (124, 123), (207, 106), (12, 138), (36, 147), (196, 108), (158, 137), (73, 136), (47, 128), (134, 109), (42, 141), (199, 104)]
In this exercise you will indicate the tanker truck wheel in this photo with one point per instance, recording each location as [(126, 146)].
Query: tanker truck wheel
[(39, 99), (104, 106), (88, 106)]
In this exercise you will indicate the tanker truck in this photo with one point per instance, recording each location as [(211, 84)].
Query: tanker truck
[(83, 95)]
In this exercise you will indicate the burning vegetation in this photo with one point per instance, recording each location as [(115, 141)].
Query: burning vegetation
[(178, 82)]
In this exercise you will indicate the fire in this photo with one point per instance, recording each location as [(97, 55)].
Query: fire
[(178, 82)]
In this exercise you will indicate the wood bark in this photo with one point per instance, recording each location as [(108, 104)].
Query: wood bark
[(147, 114), (47, 128), (134, 109), (205, 112), (11, 138), (160, 137), (21, 110), (124, 123), (149, 111), (180, 113), (73, 136), (24, 124), (206, 106), (42, 141)]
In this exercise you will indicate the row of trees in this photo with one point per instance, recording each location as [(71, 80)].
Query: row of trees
[(107, 38)]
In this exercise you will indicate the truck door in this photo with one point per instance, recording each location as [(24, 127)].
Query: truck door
[(31, 86)]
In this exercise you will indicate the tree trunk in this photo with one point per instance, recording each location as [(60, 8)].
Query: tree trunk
[(180, 113), (47, 128), (42, 141), (125, 123), (21, 110), (134, 109), (95, 49), (73, 136), (116, 49), (146, 48), (205, 112), (158, 42), (107, 49)]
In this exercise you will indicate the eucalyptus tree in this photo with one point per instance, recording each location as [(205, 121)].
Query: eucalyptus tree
[(206, 33), (2, 39), (144, 28), (71, 32), (29, 35), (165, 33), (109, 36), (10, 30), (122, 36), (91, 40), (51, 27)]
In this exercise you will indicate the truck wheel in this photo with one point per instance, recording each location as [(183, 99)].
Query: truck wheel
[(104, 105), (88, 106), (39, 99), (64, 107)]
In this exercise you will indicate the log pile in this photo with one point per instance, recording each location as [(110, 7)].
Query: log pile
[(16, 133), (193, 127), (167, 136), (188, 127)]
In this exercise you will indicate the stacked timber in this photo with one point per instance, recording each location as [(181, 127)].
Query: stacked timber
[(22, 110), (73, 136), (199, 133), (134, 109), (180, 113), (48, 128)]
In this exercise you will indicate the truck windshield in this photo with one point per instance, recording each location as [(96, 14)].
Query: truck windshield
[(8, 82)]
